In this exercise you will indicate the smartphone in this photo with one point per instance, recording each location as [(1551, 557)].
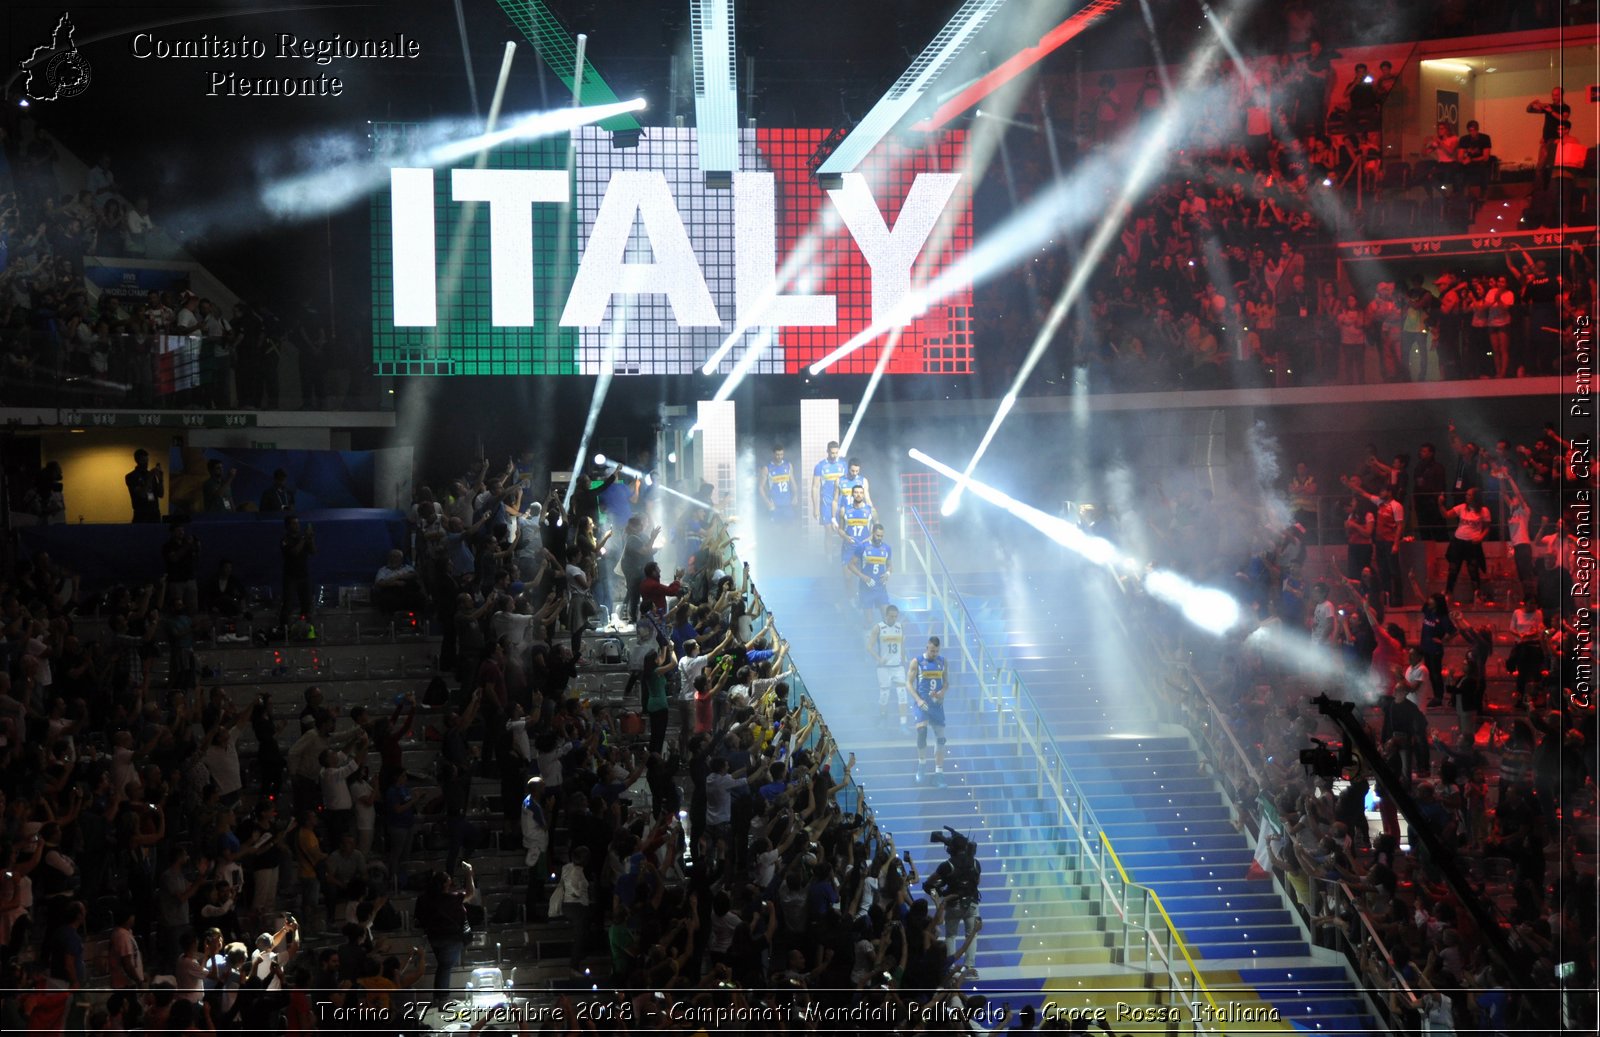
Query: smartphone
[(907, 856)]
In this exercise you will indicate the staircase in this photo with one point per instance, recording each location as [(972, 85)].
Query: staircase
[(1053, 936)]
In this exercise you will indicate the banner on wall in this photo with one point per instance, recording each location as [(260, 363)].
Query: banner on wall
[(1447, 109), (131, 282), (156, 419), (1465, 244)]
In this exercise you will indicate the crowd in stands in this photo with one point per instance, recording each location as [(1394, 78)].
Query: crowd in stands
[(1510, 791), (184, 856), (1223, 273), (120, 346)]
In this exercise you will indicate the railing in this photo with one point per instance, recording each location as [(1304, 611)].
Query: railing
[(1215, 733), (177, 372), (1015, 714), (1173, 942), (1372, 939), (850, 795)]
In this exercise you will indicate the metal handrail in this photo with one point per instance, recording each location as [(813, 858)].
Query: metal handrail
[(1155, 898), (846, 788), (978, 665), (1218, 720), (1377, 941), (1052, 771)]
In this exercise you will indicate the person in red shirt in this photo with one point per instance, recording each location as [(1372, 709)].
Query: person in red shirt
[(653, 595)]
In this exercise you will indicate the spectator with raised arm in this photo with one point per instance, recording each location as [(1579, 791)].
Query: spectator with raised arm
[(1555, 111)]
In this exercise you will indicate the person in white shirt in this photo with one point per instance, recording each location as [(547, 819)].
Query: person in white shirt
[(272, 950), (575, 906), (191, 969), (1519, 530), (886, 641), (1558, 545), (765, 857), (139, 224), (517, 729), (1416, 674), (126, 959), (1466, 547), (364, 799), (1527, 657), (719, 800), (187, 321), (580, 605), (535, 844), (337, 803), (222, 756)]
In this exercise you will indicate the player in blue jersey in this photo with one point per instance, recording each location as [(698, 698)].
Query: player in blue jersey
[(778, 491), (928, 679), (852, 478), (854, 526), (871, 569), (825, 493)]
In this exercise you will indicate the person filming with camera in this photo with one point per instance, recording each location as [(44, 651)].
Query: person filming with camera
[(954, 885)]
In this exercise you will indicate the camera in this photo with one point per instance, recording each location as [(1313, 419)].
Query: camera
[(953, 841), (1323, 761)]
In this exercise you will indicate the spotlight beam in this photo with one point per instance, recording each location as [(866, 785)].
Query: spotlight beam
[(747, 362), (1017, 64), (332, 188), (1064, 207), (986, 140), (466, 57), (469, 214), (553, 43), (634, 473), (1208, 608), (1095, 549), (424, 396), (871, 390), (1150, 158), (799, 260), (912, 86), (602, 388)]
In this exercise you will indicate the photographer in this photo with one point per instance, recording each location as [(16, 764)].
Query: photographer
[(954, 885), (297, 546), (146, 487)]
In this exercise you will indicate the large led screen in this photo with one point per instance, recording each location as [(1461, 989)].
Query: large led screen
[(629, 263)]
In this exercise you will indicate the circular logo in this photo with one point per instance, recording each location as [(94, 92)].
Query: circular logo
[(68, 74)]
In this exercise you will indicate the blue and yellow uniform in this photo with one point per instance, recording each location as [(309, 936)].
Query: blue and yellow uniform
[(931, 677), (695, 528), (830, 472), (780, 488), (856, 524), (873, 561)]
